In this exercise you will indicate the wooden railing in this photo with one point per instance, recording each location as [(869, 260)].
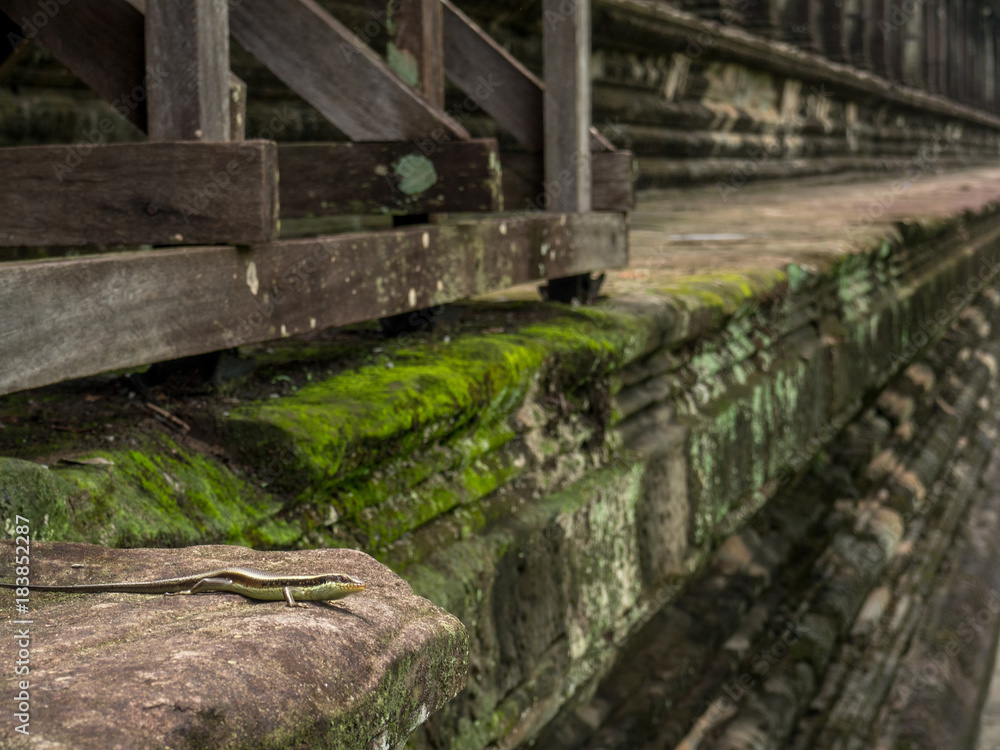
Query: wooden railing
[(221, 274)]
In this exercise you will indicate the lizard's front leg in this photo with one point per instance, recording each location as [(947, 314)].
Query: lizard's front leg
[(291, 599)]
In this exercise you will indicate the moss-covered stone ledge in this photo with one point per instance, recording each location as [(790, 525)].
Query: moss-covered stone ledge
[(552, 476), (218, 670)]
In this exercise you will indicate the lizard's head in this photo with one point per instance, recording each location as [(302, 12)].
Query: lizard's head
[(326, 588), (350, 582), (343, 584)]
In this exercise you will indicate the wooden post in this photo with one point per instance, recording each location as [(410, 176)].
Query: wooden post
[(189, 40), (566, 114), (415, 51), (566, 66)]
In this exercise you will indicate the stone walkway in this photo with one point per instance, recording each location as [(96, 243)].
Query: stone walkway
[(768, 225)]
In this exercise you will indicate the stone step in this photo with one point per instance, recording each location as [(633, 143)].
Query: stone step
[(215, 669)]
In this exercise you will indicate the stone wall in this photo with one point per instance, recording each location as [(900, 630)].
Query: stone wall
[(858, 608), (558, 477)]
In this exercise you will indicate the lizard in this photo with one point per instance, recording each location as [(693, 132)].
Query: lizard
[(255, 584)]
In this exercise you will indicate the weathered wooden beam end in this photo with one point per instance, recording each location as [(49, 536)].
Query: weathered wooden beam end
[(139, 193)]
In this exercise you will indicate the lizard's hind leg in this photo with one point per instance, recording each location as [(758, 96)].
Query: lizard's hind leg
[(206, 584)]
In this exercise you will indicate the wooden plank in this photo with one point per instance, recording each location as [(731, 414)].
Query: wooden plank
[(504, 89), (101, 43), (78, 316), (415, 50), (158, 193), (189, 41), (612, 174), (323, 179), (485, 71), (326, 64), (566, 110)]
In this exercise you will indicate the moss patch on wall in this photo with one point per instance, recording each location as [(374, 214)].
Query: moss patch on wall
[(157, 494), (331, 431)]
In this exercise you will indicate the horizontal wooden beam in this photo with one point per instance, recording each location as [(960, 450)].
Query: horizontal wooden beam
[(326, 64), (100, 42), (325, 179), (139, 193), (79, 316), (612, 182)]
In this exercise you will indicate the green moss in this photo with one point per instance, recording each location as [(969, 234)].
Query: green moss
[(158, 494), (406, 510), (38, 494), (723, 293), (333, 430)]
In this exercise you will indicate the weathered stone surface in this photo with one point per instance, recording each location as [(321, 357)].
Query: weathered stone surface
[(880, 620), (220, 671), (938, 690)]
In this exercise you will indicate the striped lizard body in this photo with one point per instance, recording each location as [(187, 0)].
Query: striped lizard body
[(255, 584)]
